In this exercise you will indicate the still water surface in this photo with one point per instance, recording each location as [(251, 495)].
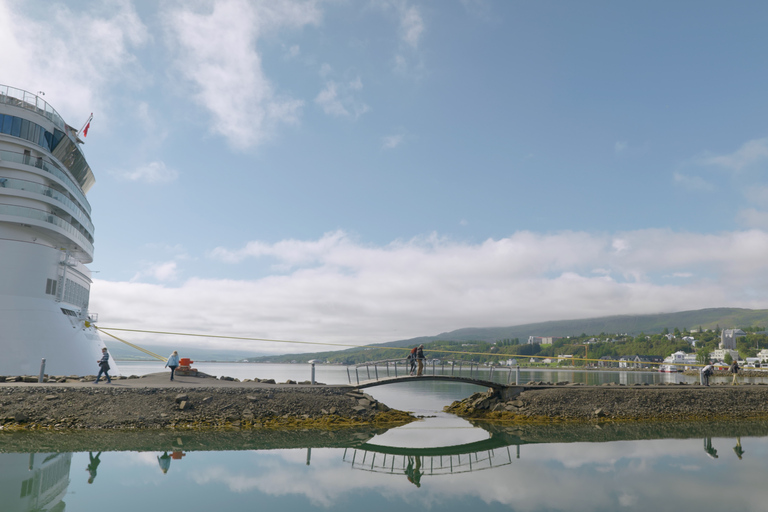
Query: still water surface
[(440, 463)]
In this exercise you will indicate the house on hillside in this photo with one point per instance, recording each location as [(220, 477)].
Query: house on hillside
[(608, 362), (639, 361), (541, 340)]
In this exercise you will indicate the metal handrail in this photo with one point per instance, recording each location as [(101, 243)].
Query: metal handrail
[(474, 369)]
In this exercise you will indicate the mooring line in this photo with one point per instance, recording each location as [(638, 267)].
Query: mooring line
[(156, 356)]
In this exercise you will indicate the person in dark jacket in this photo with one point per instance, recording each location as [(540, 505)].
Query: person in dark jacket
[(734, 369), (411, 360), (420, 359), (103, 366)]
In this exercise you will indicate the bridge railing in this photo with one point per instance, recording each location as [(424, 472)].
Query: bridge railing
[(393, 368)]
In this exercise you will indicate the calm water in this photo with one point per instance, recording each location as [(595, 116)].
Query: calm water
[(440, 463)]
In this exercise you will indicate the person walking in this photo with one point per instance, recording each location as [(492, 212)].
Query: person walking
[(705, 373), (172, 362), (103, 366), (734, 369), (420, 359)]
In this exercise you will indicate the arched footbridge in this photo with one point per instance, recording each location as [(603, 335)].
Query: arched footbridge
[(391, 371)]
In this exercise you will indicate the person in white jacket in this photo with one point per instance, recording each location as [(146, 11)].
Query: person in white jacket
[(172, 362)]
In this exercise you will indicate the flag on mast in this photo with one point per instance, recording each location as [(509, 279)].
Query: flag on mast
[(84, 129)]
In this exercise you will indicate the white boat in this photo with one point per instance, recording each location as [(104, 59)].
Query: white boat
[(669, 368), (46, 239)]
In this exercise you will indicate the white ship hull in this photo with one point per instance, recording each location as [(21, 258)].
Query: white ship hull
[(46, 239)]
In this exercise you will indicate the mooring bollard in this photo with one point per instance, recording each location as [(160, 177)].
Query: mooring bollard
[(517, 375), (313, 372), (42, 371)]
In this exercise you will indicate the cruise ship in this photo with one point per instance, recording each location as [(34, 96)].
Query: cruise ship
[(46, 240)]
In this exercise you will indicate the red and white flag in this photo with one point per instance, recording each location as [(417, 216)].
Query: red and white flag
[(84, 130)]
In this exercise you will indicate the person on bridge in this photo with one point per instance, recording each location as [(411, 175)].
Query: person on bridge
[(706, 372), (420, 359), (411, 360)]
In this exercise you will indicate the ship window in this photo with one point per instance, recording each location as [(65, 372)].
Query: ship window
[(50, 287), (24, 134), (7, 121), (16, 127), (68, 312)]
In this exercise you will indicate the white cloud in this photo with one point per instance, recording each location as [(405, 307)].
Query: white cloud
[(695, 183), (758, 195), (411, 25), (75, 57), (753, 218), (339, 99), (392, 141), (226, 71), (166, 271), (153, 172), (335, 289), (620, 146), (750, 153)]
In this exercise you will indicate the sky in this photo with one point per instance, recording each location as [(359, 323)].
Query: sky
[(365, 171)]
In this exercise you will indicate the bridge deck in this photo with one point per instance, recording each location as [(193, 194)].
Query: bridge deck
[(411, 378)]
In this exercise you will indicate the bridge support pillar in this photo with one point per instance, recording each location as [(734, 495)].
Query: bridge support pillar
[(510, 392)]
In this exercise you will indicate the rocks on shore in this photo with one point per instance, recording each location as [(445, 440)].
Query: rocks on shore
[(62, 407), (618, 403)]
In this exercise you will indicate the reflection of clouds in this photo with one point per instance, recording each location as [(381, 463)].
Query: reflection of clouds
[(627, 475)]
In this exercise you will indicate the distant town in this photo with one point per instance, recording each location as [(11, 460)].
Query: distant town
[(673, 350)]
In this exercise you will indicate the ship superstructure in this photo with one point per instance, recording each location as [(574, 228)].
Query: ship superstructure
[(46, 239)]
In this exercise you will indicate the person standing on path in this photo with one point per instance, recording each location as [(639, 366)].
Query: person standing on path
[(705, 373), (420, 359), (172, 362), (103, 366), (734, 369)]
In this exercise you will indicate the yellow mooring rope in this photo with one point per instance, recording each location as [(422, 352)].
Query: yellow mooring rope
[(242, 338), (161, 358)]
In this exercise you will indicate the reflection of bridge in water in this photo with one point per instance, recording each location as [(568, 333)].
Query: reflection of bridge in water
[(488, 453), (409, 461)]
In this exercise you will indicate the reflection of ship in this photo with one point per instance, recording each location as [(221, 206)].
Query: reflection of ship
[(34, 482), (669, 368), (46, 238)]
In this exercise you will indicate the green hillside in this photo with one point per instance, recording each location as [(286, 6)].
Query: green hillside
[(483, 339)]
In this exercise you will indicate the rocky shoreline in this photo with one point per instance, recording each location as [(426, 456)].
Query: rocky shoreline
[(207, 404), (617, 403)]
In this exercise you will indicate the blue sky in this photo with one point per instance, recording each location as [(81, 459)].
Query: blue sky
[(364, 171)]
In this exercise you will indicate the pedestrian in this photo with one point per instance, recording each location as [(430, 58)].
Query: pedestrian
[(172, 362), (103, 366), (734, 369), (411, 361), (705, 373), (420, 359)]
